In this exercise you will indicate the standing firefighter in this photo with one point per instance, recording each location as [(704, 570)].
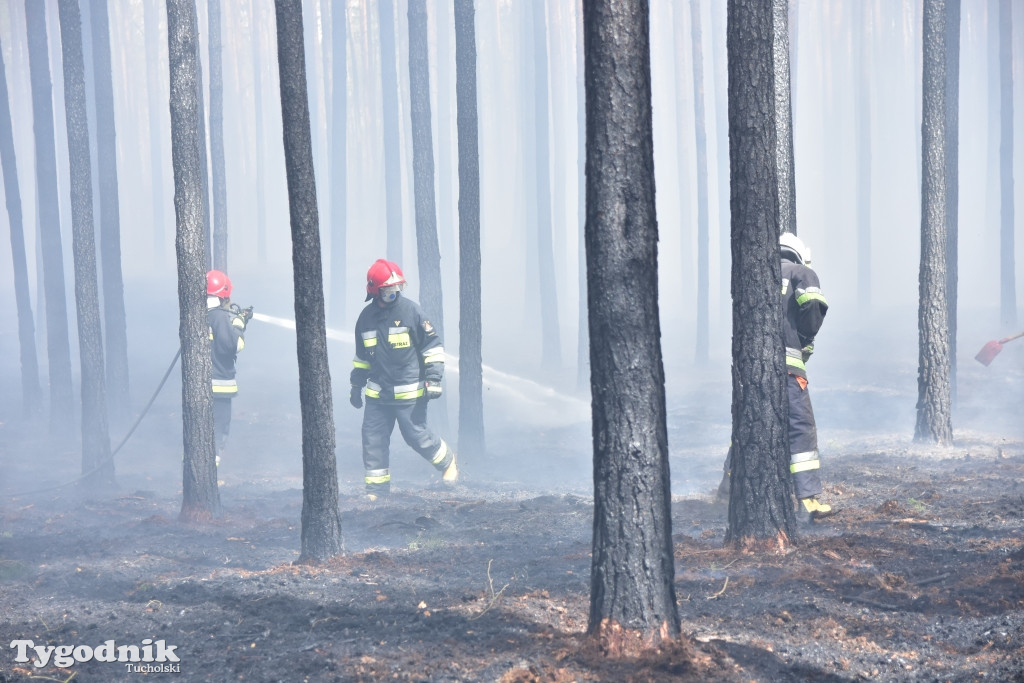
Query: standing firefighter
[(805, 308), (400, 361), (227, 338)]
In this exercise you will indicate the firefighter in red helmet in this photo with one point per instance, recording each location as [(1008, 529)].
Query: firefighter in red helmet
[(227, 338), (399, 362)]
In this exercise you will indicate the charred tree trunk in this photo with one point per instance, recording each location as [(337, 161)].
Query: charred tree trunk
[(934, 412), (551, 344), (632, 597), (200, 496), (31, 392), (321, 519), (952, 177), (58, 346), (703, 270), (339, 162), (761, 514), (471, 408), (718, 32), (220, 192), (392, 150), (114, 314), (428, 252), (1007, 268), (97, 464)]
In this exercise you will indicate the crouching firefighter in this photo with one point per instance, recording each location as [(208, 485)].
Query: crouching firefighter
[(400, 362), (227, 337), (804, 307)]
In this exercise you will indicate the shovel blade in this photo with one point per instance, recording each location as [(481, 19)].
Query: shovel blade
[(988, 352)]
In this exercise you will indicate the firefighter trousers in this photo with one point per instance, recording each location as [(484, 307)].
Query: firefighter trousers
[(803, 439), (379, 418)]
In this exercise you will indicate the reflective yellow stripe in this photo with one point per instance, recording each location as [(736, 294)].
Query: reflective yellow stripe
[(442, 453), (372, 393), (810, 296), (381, 479), (804, 466), (409, 394), (367, 343), (399, 340), (361, 364), (238, 322), (795, 362), (434, 356)]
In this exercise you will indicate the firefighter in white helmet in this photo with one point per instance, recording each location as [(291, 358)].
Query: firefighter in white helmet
[(804, 310), (400, 362)]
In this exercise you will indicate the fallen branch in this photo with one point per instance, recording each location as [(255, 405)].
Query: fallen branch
[(934, 579), (494, 596), (719, 593)]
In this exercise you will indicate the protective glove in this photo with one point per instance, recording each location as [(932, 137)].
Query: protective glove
[(355, 397), (433, 389), (247, 314), (806, 352)]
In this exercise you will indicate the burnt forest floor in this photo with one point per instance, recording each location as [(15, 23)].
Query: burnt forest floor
[(920, 577)]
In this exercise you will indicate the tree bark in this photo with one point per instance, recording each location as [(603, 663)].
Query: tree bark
[(952, 142), (703, 258), (321, 518), (200, 496), (582, 340), (96, 462), (31, 391), (339, 163), (761, 514), (58, 346), (632, 597), (784, 118), (934, 413), (115, 317), (471, 410)]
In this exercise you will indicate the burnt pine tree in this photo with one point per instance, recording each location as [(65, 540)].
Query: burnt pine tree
[(934, 411), (389, 124), (761, 514), (703, 258), (58, 347), (258, 150), (471, 402), (114, 315), (632, 598), (200, 496), (31, 392), (321, 519), (427, 250), (96, 461), (1007, 276), (338, 162), (551, 345), (218, 171), (952, 142)]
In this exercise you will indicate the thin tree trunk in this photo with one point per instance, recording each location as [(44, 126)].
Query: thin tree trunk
[(258, 146), (471, 410), (392, 150), (220, 192), (952, 104), (863, 39), (632, 596), (321, 518), (96, 461), (339, 163), (784, 115), (155, 93), (582, 339), (115, 317), (58, 346), (31, 392), (761, 512), (551, 344), (934, 419), (703, 269), (718, 32), (1007, 268), (200, 496)]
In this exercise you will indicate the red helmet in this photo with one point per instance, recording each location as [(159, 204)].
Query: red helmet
[(218, 284), (386, 275)]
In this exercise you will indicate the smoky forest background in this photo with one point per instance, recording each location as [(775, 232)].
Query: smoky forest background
[(585, 197)]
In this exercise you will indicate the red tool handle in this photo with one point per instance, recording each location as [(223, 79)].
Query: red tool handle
[(1011, 337)]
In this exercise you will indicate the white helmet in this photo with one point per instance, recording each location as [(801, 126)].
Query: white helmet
[(793, 248)]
